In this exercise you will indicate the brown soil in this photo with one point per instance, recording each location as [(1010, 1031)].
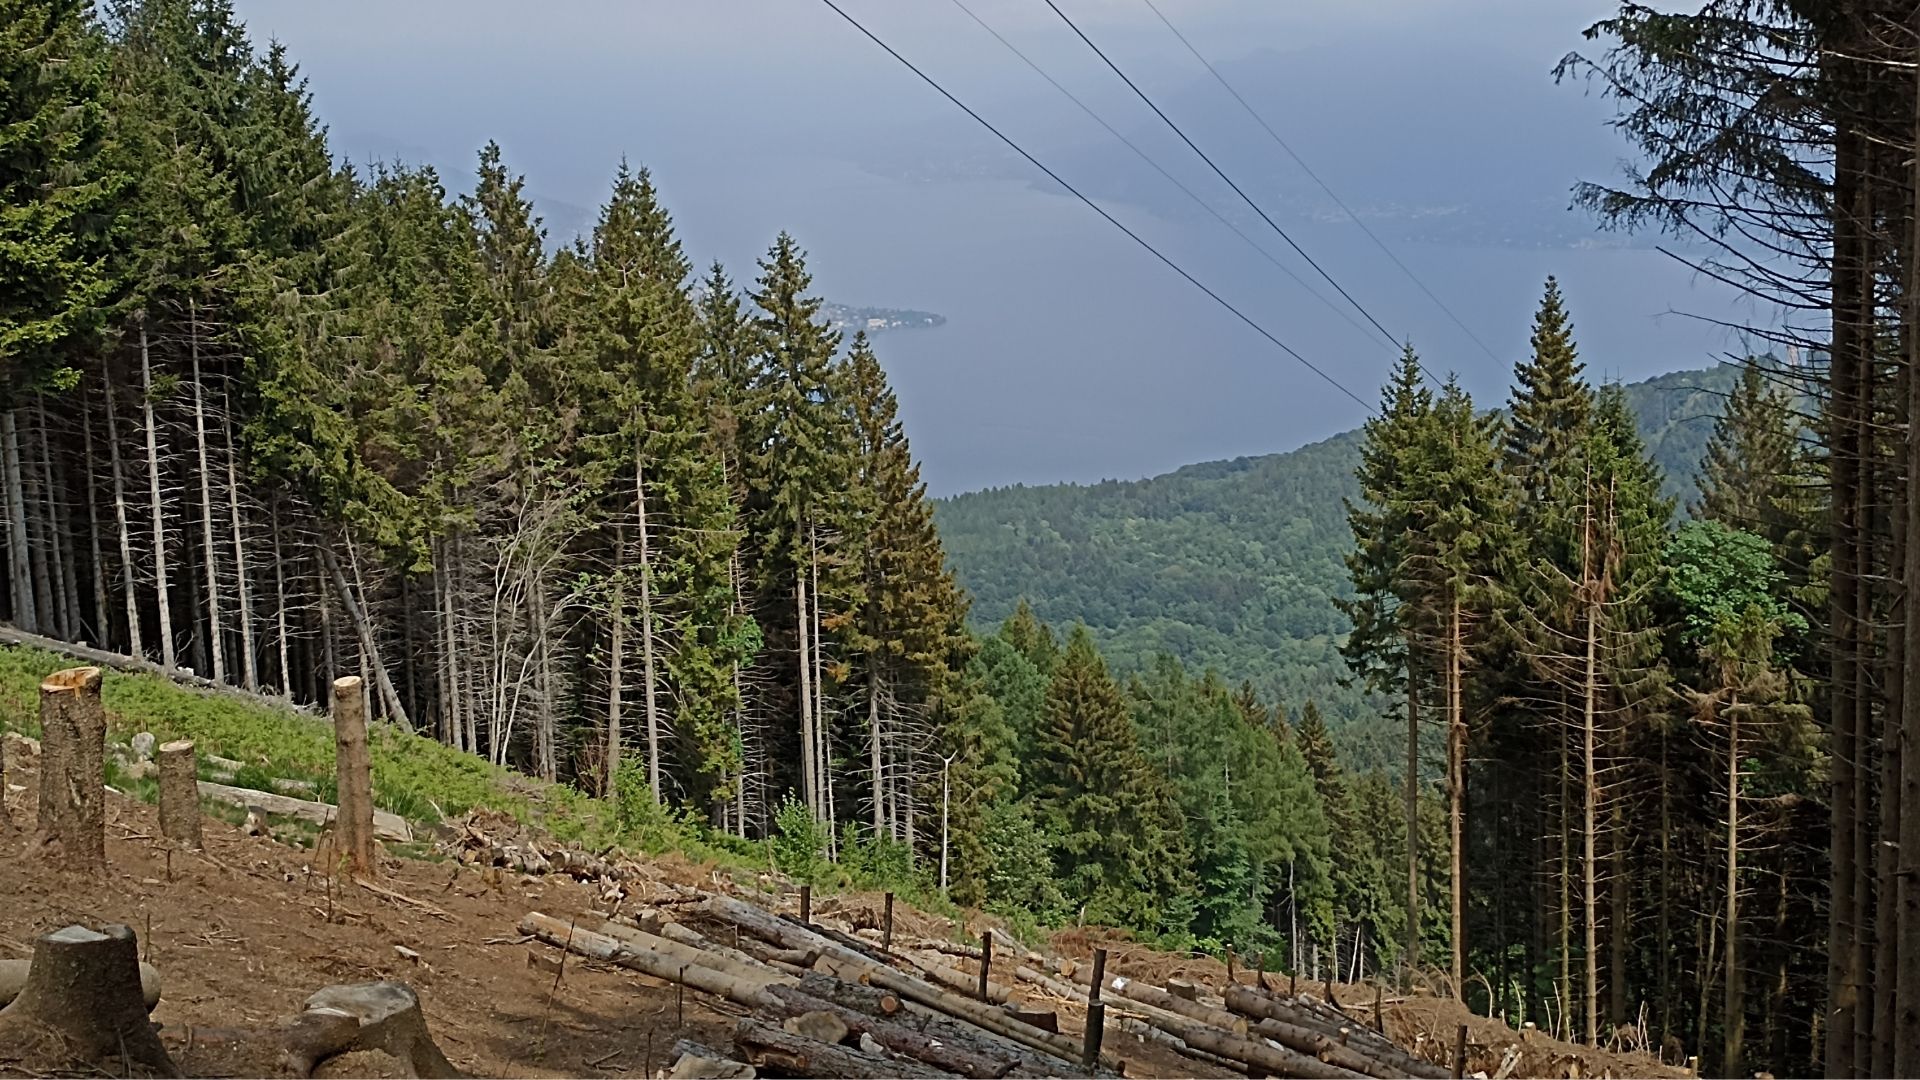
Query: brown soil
[(243, 933)]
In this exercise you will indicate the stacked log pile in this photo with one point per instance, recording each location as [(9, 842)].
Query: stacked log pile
[(825, 1001)]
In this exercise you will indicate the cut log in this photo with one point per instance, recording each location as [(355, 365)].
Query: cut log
[(73, 722), (1292, 1025), (930, 966), (746, 969), (179, 795), (382, 1016), (820, 1025), (673, 967), (390, 827), (1044, 1019), (84, 987), (353, 776), (941, 1046), (866, 999), (691, 1061), (682, 934), (856, 967), (13, 978), (766, 1046)]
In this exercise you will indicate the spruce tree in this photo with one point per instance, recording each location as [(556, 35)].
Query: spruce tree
[(57, 188), (1119, 845)]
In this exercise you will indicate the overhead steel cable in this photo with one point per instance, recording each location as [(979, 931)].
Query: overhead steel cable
[(1171, 179), (1218, 171), (1315, 177), (1096, 208)]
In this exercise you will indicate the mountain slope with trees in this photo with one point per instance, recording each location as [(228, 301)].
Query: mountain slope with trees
[(1235, 565)]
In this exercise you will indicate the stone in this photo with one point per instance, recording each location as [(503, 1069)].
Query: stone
[(144, 744)]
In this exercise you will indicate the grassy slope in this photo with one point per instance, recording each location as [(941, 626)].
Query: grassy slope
[(411, 775)]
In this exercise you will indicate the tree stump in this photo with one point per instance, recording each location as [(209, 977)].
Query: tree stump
[(179, 794), (353, 769), (13, 978), (382, 1016), (73, 723), (83, 987)]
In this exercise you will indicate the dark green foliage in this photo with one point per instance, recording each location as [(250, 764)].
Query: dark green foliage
[(1234, 565), (57, 186)]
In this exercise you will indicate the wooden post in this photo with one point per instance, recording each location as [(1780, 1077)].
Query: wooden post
[(1460, 1053), (1230, 964), (72, 760), (886, 929), (1379, 1017), (806, 904), (353, 770), (986, 961), (1096, 1012), (179, 793)]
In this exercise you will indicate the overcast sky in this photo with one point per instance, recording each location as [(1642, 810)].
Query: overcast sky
[(1065, 355)]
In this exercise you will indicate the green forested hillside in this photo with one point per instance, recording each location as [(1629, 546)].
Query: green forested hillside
[(1234, 564)]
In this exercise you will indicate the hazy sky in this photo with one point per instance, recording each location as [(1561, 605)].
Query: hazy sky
[(1070, 354)]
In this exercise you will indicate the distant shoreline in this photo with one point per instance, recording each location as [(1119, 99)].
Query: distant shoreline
[(848, 319)]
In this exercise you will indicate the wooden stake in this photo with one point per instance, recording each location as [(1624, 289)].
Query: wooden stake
[(886, 929), (1379, 1020), (1230, 965), (986, 961), (353, 774), (1460, 1053), (1096, 1012), (806, 904)]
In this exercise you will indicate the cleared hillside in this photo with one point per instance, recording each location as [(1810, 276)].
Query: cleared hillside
[(1234, 564)]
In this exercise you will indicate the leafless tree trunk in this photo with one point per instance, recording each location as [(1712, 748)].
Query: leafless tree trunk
[(1590, 787), (1456, 794), (134, 645), (102, 622), (154, 509), (63, 590), (617, 625), (21, 574), (809, 762), (1412, 785), (216, 633), (1735, 1020), (651, 689), (249, 666)]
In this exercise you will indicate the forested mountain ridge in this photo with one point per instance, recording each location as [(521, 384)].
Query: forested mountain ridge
[(1235, 564)]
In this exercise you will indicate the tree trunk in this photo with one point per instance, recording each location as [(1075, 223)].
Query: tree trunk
[(882, 821), (73, 740), (1456, 799), (1906, 898), (280, 605), (249, 667), (364, 631), (809, 763), (1734, 1022), (1590, 789), (1664, 935), (60, 531), (102, 622), (616, 625), (765, 1046), (1848, 265), (179, 793), (650, 691), (85, 986), (43, 533), (216, 632), (353, 777), (20, 573), (135, 646), (160, 586), (1412, 796)]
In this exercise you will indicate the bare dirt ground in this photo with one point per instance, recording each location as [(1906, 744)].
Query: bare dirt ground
[(244, 931)]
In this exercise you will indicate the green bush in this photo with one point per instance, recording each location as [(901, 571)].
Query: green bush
[(799, 842)]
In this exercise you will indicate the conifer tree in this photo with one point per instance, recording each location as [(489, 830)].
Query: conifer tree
[(1119, 845)]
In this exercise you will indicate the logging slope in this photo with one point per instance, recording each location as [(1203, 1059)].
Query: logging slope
[(1235, 565), (245, 930)]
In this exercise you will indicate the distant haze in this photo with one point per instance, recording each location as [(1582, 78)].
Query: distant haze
[(1069, 353)]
